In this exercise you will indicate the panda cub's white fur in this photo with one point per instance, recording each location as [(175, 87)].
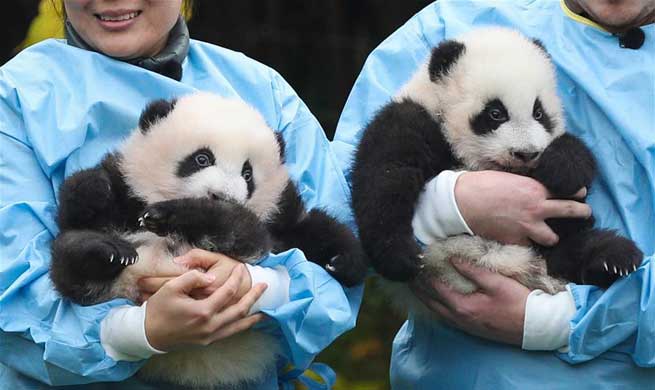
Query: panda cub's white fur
[(496, 63)]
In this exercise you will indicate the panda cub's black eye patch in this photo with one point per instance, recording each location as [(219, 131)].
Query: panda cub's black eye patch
[(196, 161), (490, 118), (540, 115), (248, 176)]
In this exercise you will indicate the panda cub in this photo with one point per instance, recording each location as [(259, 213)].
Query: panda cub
[(484, 101), (199, 172)]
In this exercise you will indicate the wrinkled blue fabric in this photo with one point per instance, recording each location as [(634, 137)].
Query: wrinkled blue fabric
[(608, 94), (61, 110)]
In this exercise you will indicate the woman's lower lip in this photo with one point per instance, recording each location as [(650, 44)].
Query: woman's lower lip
[(117, 25)]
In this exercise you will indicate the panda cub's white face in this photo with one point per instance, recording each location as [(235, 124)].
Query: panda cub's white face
[(497, 101), (207, 146)]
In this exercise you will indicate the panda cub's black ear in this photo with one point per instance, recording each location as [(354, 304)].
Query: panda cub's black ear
[(541, 45), (443, 57), (155, 111), (281, 143)]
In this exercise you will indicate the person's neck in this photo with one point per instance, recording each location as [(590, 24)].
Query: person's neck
[(167, 61)]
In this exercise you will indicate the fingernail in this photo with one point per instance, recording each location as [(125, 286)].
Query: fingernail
[(210, 277)]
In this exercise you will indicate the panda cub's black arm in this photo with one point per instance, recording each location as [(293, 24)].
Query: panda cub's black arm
[(400, 151), (584, 254), (87, 254), (565, 166), (217, 225), (324, 240)]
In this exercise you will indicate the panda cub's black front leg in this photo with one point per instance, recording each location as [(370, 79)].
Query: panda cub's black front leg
[(566, 166), (217, 225), (330, 244)]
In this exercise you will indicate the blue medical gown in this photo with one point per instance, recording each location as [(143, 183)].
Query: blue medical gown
[(61, 110), (608, 94)]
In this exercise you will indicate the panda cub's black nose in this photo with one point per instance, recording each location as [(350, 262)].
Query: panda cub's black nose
[(524, 156)]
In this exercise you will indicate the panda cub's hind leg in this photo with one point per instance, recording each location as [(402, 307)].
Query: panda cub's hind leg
[(518, 262), (85, 262)]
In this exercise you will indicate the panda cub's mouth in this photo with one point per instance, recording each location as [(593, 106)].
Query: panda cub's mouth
[(511, 166)]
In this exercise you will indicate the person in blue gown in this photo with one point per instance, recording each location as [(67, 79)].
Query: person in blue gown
[(604, 53), (63, 105)]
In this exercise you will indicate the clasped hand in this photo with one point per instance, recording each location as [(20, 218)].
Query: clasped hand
[(511, 209), (199, 308)]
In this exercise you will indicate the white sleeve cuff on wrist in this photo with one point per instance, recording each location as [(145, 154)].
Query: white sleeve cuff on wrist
[(547, 320), (437, 214), (123, 334), (277, 292)]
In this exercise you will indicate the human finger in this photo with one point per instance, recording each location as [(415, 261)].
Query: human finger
[(152, 284), (237, 326), (189, 281), (556, 208), (542, 234), (199, 258), (242, 308), (225, 294)]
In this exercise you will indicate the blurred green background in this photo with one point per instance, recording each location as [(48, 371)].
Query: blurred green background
[(319, 48)]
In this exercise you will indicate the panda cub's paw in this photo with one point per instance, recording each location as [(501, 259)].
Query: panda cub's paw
[(348, 269), (609, 258), (159, 218), (117, 253)]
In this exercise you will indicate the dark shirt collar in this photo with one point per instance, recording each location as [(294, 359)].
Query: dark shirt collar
[(167, 62)]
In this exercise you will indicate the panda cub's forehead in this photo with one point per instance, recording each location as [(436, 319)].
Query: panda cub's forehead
[(232, 130), (229, 127), (503, 64)]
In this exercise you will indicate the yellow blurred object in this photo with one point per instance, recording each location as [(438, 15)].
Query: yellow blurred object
[(49, 22)]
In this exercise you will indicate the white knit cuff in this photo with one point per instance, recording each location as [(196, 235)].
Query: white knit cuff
[(437, 215), (547, 320), (123, 334), (277, 292)]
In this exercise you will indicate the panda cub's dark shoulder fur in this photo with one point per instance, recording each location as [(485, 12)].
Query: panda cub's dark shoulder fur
[(484, 101), (203, 172)]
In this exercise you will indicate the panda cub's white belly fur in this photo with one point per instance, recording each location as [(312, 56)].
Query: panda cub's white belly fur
[(243, 357), (518, 262)]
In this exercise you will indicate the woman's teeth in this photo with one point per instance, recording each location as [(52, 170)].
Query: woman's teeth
[(106, 18)]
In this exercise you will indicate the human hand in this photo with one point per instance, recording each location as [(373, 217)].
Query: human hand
[(495, 312), (213, 263), (216, 264), (511, 208), (174, 319)]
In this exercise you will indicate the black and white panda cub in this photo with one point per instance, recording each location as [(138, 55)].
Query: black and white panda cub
[(202, 171), (486, 100)]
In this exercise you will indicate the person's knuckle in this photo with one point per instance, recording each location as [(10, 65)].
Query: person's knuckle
[(195, 252), (204, 313)]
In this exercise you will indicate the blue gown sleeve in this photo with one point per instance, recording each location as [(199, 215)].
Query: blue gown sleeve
[(619, 321), (320, 309), (41, 335)]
